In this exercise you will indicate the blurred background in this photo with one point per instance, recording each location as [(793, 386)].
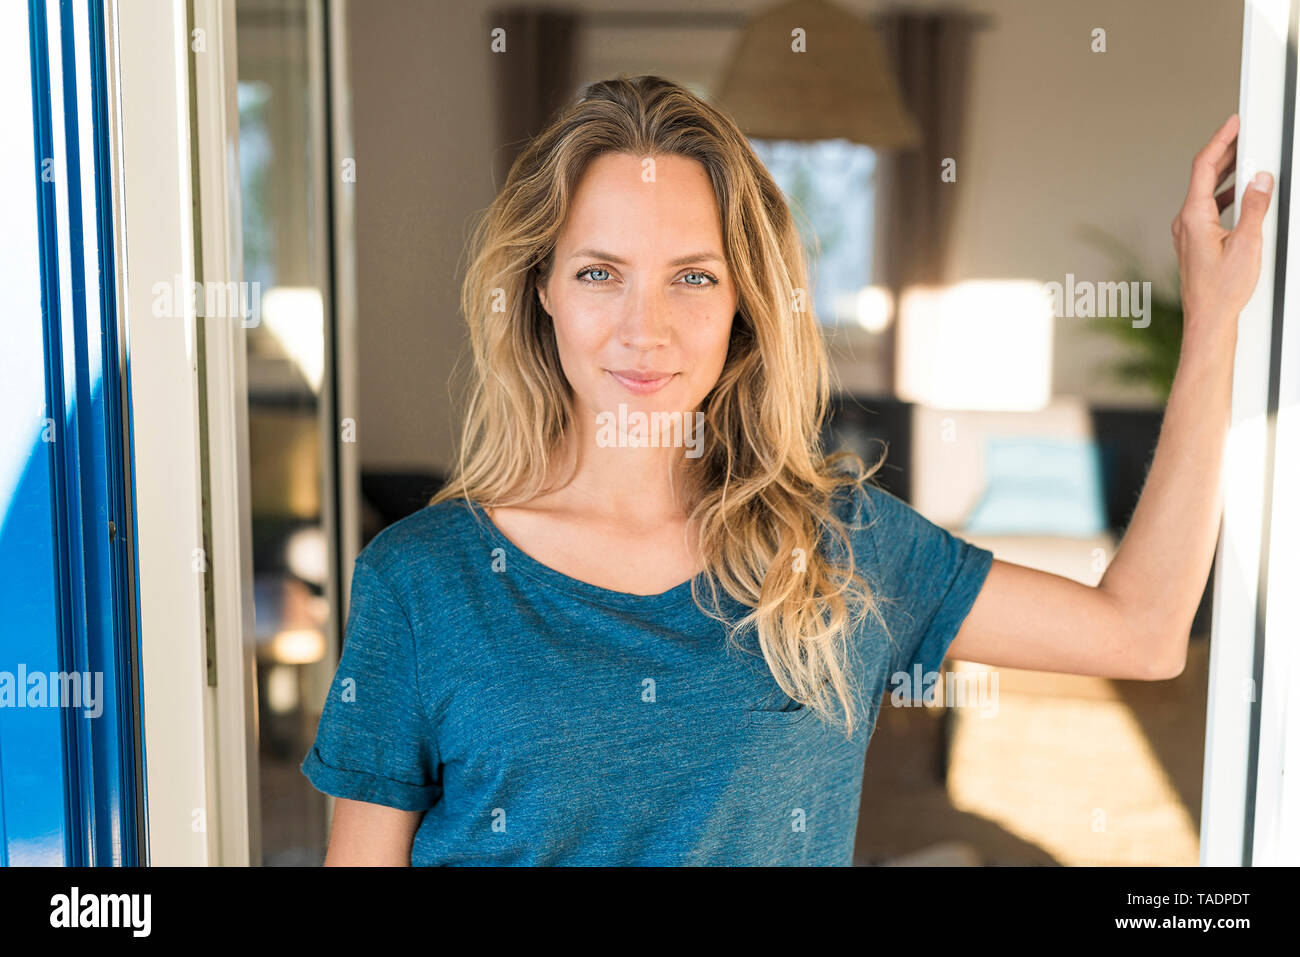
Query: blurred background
[(945, 162)]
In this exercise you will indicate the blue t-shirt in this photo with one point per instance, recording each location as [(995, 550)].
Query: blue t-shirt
[(539, 720)]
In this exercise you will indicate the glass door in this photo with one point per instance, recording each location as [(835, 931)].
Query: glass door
[(285, 184), (69, 742)]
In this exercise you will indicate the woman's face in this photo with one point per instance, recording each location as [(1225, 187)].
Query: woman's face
[(639, 293)]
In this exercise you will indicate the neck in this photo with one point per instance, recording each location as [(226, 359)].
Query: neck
[(613, 476)]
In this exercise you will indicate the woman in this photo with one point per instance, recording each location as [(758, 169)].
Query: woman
[(647, 621)]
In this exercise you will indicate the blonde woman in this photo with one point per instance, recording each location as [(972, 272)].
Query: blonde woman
[(648, 621)]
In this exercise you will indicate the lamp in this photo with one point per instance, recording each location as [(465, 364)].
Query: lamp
[(840, 86)]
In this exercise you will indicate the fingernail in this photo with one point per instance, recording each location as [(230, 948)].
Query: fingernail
[(1262, 181)]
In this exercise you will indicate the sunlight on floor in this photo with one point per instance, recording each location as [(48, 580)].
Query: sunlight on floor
[(1075, 776)]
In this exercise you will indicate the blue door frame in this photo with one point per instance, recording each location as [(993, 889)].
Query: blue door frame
[(71, 748)]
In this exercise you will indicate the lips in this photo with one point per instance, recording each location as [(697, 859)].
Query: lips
[(641, 381)]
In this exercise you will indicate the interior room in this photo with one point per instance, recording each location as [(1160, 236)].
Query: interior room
[(1024, 432)]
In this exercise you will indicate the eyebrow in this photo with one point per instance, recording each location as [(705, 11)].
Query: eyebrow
[(705, 256)]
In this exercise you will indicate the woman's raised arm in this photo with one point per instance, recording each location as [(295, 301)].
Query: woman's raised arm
[(1135, 622)]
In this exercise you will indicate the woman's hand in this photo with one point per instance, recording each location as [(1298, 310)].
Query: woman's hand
[(1219, 267)]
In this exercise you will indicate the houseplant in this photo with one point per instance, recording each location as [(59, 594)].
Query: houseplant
[(1152, 350)]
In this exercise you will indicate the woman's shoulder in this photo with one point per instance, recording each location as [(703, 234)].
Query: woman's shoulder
[(422, 541), (874, 518), (864, 503)]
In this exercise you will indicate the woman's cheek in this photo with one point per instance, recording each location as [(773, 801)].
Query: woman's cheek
[(581, 331), (592, 321), (714, 334)]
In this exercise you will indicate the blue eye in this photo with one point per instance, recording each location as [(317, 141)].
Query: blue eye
[(593, 269), (708, 279)]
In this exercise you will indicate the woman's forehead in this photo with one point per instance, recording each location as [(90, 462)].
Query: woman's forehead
[(647, 214)]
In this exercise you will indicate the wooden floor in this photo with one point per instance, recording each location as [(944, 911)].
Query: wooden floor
[(1068, 771)]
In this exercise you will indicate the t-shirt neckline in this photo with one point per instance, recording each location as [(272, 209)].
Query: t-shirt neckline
[(517, 558)]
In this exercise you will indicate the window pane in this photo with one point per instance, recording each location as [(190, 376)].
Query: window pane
[(830, 186)]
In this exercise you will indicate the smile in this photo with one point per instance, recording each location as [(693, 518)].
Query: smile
[(642, 383)]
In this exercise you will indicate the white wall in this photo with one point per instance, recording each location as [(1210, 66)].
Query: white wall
[(1058, 137)]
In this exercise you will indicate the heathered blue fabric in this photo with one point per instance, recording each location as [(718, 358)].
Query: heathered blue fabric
[(540, 720)]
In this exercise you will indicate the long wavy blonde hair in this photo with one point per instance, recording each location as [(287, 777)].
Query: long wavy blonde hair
[(761, 495)]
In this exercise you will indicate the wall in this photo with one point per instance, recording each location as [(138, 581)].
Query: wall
[(1058, 137), (423, 131)]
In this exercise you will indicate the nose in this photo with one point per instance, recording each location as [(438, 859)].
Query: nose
[(645, 321)]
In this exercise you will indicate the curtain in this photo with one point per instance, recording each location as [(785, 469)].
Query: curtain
[(930, 53), (534, 77)]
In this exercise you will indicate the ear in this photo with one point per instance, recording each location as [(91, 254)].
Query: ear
[(541, 296)]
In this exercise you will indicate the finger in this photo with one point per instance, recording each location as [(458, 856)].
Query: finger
[(1224, 199), (1254, 204), (1231, 168), (1205, 167)]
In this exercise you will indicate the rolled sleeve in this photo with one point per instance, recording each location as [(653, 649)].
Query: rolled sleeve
[(371, 788), (374, 742)]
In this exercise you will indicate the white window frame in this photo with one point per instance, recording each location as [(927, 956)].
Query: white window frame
[(1250, 814), (199, 740)]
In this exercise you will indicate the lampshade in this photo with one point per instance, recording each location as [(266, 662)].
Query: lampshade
[(840, 86)]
